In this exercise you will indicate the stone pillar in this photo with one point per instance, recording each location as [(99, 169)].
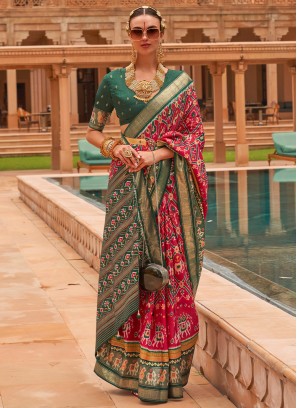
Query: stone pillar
[(241, 146), (73, 97), (271, 81), (197, 78), (12, 116), (55, 122), (293, 75), (225, 97), (219, 145), (38, 87), (61, 148)]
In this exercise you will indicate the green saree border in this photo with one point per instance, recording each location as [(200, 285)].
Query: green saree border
[(190, 216), (110, 322), (123, 372)]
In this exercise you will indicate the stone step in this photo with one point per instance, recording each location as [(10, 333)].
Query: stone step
[(28, 143)]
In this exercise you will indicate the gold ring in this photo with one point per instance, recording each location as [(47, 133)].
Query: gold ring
[(127, 153)]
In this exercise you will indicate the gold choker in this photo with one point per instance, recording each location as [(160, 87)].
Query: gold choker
[(144, 89)]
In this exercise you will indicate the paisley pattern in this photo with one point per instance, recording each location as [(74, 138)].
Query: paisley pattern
[(153, 349)]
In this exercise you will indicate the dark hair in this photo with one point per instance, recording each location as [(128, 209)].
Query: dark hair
[(147, 10)]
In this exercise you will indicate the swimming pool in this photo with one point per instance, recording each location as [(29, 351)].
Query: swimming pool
[(250, 227)]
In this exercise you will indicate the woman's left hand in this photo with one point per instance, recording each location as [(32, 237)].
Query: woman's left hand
[(147, 158)]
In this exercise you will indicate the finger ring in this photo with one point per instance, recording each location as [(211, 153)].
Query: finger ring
[(127, 153)]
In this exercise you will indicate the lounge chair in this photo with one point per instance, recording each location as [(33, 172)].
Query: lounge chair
[(91, 157), (272, 113), (25, 119), (285, 146)]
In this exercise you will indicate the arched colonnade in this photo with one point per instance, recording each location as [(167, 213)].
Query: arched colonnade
[(60, 60)]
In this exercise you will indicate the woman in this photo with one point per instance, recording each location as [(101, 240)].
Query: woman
[(156, 202)]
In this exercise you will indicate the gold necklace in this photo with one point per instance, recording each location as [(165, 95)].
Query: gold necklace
[(144, 89)]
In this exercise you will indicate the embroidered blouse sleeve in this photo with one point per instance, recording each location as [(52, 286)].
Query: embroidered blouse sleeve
[(103, 106)]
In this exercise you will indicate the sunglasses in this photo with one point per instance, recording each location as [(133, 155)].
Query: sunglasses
[(137, 34)]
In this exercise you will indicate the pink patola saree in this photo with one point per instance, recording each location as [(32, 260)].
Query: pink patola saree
[(145, 341)]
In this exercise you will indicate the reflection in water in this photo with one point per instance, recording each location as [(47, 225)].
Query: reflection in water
[(250, 228), (252, 224), (91, 188)]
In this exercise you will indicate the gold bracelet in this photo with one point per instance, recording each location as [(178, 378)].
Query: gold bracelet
[(116, 143), (104, 151), (107, 147)]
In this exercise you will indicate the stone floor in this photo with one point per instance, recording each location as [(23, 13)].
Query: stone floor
[(47, 318), (47, 321)]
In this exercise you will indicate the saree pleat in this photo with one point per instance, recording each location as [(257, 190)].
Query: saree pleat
[(145, 341)]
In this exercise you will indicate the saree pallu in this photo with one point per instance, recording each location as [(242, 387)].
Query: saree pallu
[(145, 341)]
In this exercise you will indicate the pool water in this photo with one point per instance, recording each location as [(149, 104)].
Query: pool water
[(250, 227), (251, 231)]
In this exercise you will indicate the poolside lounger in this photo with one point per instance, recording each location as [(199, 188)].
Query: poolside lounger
[(285, 146), (91, 157)]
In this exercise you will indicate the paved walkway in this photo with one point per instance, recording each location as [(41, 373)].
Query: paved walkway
[(47, 321)]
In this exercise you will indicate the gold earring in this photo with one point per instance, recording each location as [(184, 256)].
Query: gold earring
[(133, 55), (160, 54)]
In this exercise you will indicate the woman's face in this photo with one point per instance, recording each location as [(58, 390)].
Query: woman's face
[(145, 34)]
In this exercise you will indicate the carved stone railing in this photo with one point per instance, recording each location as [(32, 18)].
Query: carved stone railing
[(31, 3), (130, 4), (246, 2)]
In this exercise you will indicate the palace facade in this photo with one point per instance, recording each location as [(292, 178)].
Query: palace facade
[(54, 53), (98, 22)]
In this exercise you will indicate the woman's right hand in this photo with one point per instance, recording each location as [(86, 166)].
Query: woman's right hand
[(128, 156)]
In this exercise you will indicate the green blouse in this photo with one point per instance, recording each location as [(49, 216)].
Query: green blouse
[(113, 93)]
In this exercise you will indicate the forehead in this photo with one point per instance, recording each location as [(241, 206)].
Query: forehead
[(144, 20)]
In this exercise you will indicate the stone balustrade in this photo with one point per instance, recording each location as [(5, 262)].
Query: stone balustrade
[(239, 367), (45, 199)]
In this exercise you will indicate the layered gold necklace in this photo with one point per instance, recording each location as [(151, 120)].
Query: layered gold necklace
[(144, 90)]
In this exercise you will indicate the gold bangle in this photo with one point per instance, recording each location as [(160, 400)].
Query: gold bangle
[(116, 143), (104, 148), (108, 145)]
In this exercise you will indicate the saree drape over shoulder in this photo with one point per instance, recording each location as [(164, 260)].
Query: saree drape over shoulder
[(145, 341)]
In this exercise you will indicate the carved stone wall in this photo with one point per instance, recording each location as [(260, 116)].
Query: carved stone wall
[(218, 18), (130, 4), (35, 3), (240, 368)]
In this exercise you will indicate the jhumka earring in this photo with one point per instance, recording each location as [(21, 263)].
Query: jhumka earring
[(160, 54), (133, 55)]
